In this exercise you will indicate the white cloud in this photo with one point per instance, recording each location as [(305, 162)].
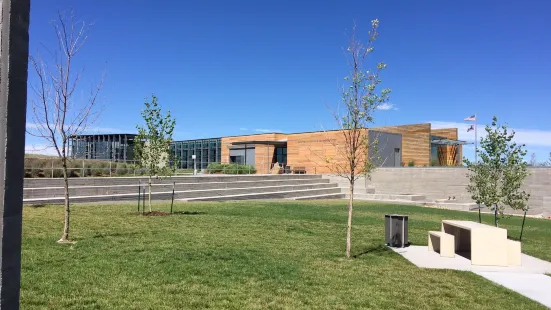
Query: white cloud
[(387, 106), (530, 137), (267, 130), (243, 129)]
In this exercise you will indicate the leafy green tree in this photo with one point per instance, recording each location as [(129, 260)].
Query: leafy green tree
[(152, 145), (496, 180), (361, 97)]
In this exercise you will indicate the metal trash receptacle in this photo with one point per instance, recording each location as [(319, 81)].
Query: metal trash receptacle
[(396, 230)]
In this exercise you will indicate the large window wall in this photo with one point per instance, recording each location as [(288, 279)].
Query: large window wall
[(206, 151), (114, 147)]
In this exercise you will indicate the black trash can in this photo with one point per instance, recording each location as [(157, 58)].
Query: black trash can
[(396, 230)]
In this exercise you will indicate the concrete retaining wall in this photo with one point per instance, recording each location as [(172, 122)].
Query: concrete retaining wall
[(441, 183), (107, 181)]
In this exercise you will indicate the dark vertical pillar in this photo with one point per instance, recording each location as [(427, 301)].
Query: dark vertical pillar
[(109, 149), (14, 55), (125, 147)]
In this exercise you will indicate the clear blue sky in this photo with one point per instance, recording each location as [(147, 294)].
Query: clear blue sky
[(241, 67)]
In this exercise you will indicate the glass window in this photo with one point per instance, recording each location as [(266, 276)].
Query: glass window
[(281, 155)]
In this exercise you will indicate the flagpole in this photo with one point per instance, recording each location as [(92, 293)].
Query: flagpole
[(475, 141)]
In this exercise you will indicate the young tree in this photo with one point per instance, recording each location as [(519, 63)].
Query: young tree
[(361, 97), (152, 145), (533, 160), (496, 180), (59, 109)]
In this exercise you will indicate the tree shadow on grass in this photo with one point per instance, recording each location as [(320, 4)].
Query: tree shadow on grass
[(378, 250), (189, 212), (114, 235), (36, 206)]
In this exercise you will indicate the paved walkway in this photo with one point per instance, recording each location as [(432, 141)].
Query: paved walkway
[(534, 286), (528, 280)]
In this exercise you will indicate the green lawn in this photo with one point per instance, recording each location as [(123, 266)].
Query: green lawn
[(248, 255)]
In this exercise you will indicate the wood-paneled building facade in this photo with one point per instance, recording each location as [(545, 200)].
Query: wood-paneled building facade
[(308, 152), (317, 152)]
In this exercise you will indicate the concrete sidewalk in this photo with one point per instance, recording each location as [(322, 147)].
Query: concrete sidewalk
[(534, 286), (528, 280)]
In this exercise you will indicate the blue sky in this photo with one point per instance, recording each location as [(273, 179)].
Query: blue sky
[(241, 67)]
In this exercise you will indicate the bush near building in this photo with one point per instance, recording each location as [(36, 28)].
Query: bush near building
[(223, 168)]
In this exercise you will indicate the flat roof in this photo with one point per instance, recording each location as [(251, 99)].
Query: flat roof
[(448, 142), (274, 143), (104, 134), (378, 129)]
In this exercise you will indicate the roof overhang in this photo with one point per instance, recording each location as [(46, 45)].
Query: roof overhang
[(448, 142), (273, 143)]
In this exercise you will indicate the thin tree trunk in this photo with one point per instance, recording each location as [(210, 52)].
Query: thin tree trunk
[(522, 228), (349, 228), (65, 235), (150, 193), (495, 216)]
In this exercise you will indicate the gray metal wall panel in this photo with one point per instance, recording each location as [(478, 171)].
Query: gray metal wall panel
[(382, 148)]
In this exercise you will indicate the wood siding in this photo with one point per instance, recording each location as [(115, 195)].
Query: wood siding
[(452, 134), (264, 154), (317, 152), (415, 142)]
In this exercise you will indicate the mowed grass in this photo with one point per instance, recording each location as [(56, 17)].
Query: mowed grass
[(249, 255)]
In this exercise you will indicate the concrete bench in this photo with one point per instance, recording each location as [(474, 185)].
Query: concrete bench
[(442, 243), (513, 253), (485, 245)]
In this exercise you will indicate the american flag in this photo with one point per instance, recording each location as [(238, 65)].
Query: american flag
[(471, 118), (470, 128)]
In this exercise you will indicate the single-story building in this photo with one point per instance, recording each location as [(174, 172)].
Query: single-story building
[(310, 152)]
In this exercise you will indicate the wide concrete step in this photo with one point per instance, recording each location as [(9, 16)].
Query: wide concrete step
[(29, 193), (269, 195), (320, 196), (188, 194), (450, 205), (108, 181), (400, 197), (360, 190)]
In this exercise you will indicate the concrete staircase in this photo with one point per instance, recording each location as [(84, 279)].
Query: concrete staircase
[(186, 188), (368, 193)]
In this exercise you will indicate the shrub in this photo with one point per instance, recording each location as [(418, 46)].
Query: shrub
[(98, 169), (121, 169), (215, 168), (230, 168), (74, 168), (411, 163)]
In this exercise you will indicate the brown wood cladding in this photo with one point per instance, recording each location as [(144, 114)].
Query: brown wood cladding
[(452, 134), (448, 133), (263, 156), (316, 152), (312, 150), (415, 142)]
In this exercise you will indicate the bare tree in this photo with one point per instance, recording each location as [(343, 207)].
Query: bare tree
[(360, 99), (533, 160), (59, 111)]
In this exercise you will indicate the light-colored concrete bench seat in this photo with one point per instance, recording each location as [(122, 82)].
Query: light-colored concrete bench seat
[(442, 243), (513, 253)]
